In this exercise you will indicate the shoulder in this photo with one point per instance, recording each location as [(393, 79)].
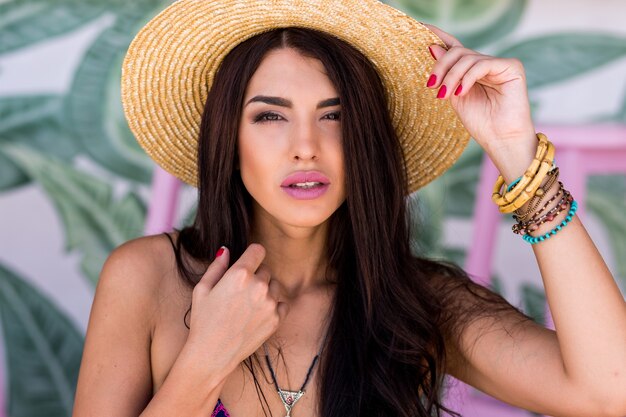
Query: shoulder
[(140, 262), (136, 271), (116, 360), (143, 254)]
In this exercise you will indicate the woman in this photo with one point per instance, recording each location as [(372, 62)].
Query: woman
[(295, 289)]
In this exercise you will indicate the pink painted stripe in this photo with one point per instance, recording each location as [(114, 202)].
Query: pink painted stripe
[(163, 202), (3, 405)]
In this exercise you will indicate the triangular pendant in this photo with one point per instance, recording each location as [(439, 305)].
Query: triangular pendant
[(289, 399)]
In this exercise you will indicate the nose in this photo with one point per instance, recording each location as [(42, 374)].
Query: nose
[(305, 142)]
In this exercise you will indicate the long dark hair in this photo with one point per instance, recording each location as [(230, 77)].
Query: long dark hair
[(393, 313)]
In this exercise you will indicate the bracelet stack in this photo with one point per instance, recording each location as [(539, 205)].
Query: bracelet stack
[(531, 189)]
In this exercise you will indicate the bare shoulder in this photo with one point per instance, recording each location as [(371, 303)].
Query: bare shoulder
[(116, 358), (140, 265)]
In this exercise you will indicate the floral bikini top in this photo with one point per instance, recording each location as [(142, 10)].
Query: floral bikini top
[(220, 410)]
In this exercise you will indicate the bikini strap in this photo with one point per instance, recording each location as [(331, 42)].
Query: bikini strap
[(171, 241)]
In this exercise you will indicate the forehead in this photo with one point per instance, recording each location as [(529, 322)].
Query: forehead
[(288, 70)]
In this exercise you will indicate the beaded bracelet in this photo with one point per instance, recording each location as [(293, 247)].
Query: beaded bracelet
[(538, 218), (562, 205), (540, 193), (533, 224), (560, 191), (570, 214)]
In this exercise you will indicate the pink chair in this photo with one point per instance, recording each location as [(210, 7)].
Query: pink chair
[(581, 151)]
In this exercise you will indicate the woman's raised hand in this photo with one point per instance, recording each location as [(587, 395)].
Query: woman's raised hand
[(234, 310), (489, 94)]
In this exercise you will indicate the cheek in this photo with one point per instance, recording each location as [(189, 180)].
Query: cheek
[(254, 166)]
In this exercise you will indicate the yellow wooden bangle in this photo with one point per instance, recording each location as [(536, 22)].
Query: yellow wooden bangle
[(530, 173), (500, 199), (546, 166), (529, 191)]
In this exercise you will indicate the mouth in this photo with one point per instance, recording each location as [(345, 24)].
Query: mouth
[(305, 185), (305, 179)]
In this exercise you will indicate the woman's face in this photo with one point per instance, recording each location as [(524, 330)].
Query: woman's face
[(290, 151)]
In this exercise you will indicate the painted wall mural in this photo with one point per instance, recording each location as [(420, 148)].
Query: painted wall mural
[(74, 184)]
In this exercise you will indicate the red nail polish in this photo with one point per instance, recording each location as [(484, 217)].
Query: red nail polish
[(442, 92), (220, 252), (431, 52), (458, 90), (432, 80)]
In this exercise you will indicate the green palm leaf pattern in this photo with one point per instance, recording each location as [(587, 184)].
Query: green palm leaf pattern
[(476, 23), (35, 121), (24, 23), (554, 58), (605, 198), (95, 222), (534, 302), (43, 350), (93, 106)]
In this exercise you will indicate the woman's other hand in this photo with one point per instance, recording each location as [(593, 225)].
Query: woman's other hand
[(234, 310)]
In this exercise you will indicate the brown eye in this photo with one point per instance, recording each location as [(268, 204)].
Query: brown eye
[(267, 117), (333, 116)]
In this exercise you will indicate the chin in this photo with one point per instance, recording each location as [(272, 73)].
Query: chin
[(303, 220)]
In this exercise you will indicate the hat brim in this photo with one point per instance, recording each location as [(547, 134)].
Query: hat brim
[(171, 63)]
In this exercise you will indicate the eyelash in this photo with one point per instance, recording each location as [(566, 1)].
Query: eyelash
[(269, 117)]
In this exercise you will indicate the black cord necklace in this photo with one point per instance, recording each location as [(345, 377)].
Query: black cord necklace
[(287, 397)]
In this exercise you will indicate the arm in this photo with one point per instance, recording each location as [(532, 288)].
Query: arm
[(580, 369), (588, 310), (115, 376)]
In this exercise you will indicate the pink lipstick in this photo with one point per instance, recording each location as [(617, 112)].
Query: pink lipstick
[(305, 185)]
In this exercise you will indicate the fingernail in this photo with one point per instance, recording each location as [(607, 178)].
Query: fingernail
[(442, 92), (220, 252), (432, 80), (458, 90), (431, 52)]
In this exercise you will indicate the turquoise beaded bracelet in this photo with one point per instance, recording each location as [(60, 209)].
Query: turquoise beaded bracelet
[(570, 214)]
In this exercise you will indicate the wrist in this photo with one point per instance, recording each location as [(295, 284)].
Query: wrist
[(191, 387), (513, 156), (204, 366)]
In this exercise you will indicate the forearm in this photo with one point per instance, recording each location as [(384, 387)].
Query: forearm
[(188, 390), (588, 309)]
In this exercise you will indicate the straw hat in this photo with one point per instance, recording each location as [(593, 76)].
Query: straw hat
[(171, 63)]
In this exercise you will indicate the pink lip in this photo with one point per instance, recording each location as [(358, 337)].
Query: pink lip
[(308, 193), (304, 176)]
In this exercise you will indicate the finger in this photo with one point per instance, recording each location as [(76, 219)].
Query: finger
[(274, 290), (263, 273), (452, 82), (217, 268), (283, 310), (447, 38), (483, 68), (251, 258), (445, 61)]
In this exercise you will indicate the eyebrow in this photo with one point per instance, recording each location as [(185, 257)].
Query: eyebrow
[(283, 102)]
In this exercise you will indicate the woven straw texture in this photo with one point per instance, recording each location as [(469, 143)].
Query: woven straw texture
[(171, 63)]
